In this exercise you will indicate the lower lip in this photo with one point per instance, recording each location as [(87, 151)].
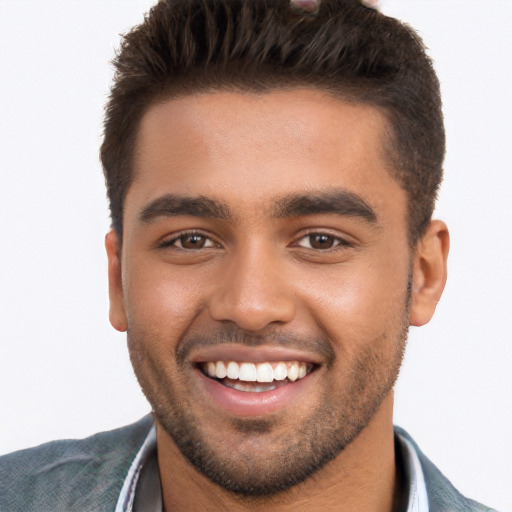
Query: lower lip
[(245, 403)]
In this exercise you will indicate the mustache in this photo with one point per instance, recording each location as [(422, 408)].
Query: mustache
[(231, 334)]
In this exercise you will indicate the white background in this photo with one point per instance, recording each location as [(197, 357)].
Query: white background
[(64, 372)]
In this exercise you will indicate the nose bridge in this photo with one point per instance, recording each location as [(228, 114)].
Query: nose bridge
[(253, 291)]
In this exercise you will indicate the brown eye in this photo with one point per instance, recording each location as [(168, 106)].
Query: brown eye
[(190, 241), (321, 241)]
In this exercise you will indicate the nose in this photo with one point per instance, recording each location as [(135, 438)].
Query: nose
[(253, 292)]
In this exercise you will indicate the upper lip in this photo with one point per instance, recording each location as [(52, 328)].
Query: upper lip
[(242, 353)]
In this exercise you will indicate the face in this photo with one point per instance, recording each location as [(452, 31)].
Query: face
[(263, 280)]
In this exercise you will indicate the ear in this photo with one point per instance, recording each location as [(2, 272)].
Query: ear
[(117, 314), (429, 272)]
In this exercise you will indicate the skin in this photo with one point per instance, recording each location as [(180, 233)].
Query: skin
[(262, 281)]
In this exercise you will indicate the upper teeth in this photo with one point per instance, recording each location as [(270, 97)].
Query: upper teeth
[(261, 372)]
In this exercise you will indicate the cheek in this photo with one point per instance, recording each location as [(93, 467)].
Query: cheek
[(359, 304), (161, 298)]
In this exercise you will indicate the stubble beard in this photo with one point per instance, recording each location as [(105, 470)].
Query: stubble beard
[(294, 456)]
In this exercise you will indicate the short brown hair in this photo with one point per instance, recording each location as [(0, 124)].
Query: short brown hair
[(350, 51)]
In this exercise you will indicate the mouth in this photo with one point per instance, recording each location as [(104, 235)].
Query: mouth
[(259, 377), (252, 382)]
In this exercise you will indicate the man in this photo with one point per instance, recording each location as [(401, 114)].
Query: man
[(271, 176)]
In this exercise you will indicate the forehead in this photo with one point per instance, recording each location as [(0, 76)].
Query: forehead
[(261, 146)]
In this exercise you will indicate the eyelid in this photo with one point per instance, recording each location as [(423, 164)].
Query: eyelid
[(169, 240), (343, 241)]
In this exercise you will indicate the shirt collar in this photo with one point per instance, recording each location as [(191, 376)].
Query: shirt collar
[(418, 499), (126, 501), (417, 502)]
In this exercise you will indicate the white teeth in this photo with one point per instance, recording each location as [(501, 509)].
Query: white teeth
[(251, 388), (220, 370), (247, 372), (264, 373), (280, 372), (261, 372), (233, 371), (211, 369), (293, 372)]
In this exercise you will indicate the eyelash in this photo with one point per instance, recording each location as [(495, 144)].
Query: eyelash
[(172, 242), (337, 241)]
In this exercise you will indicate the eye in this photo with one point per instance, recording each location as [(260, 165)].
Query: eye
[(190, 241), (321, 241)]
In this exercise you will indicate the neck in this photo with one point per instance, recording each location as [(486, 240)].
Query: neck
[(361, 477)]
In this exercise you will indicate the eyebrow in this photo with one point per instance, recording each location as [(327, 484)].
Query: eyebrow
[(338, 202), (171, 205)]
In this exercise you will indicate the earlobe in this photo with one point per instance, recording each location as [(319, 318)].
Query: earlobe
[(429, 272), (117, 314)]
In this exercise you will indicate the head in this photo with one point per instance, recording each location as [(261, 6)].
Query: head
[(271, 178), (347, 50)]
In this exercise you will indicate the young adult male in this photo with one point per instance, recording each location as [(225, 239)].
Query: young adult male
[(271, 176)]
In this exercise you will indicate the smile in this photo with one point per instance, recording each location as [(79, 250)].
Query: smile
[(244, 381), (255, 377)]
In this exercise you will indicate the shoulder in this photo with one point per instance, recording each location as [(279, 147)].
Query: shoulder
[(84, 474), (442, 495)]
